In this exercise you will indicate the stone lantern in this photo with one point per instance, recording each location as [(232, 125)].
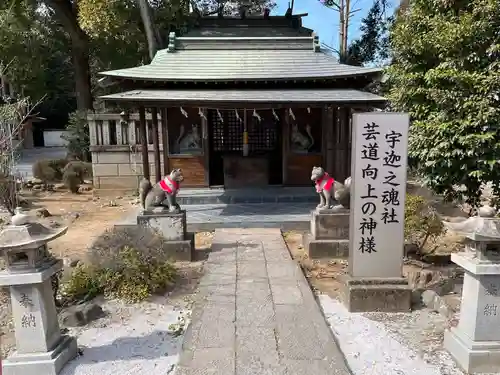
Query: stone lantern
[(475, 342), (41, 349)]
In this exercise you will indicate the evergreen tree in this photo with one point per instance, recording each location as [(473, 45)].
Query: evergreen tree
[(372, 46), (446, 73)]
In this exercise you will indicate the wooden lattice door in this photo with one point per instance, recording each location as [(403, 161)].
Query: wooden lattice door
[(226, 138), (263, 136), (227, 134)]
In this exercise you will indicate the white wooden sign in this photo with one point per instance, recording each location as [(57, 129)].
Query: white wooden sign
[(378, 168)]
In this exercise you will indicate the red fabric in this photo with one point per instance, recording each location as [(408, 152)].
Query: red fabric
[(165, 187), (328, 184)]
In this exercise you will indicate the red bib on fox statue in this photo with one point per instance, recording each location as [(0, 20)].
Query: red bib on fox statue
[(170, 186), (324, 183)]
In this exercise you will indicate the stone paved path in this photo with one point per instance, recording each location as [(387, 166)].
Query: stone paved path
[(256, 313)]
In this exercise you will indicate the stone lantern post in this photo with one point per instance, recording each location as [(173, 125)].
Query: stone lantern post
[(41, 349), (475, 342)]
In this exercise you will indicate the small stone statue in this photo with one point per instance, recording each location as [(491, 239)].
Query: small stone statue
[(19, 217), (152, 196), (484, 223), (329, 189), (300, 142), (188, 141)]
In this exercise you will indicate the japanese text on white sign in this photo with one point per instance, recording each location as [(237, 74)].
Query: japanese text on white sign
[(378, 188)]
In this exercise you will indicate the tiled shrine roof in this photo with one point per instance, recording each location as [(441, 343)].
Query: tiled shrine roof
[(279, 50)]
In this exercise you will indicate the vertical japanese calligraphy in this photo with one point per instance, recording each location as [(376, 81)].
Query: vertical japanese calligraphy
[(28, 318), (390, 196), (379, 156), (25, 301), (368, 222)]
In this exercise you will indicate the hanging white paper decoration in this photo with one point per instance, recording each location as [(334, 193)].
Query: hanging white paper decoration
[(291, 114), (202, 115), (275, 115), (220, 116), (185, 114), (308, 110), (256, 115), (237, 115)]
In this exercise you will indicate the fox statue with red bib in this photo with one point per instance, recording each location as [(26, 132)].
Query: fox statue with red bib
[(330, 190), (163, 193)]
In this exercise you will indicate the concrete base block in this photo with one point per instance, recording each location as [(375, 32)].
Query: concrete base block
[(317, 249), (50, 363), (376, 294), (172, 226), (330, 225), (181, 250), (178, 244), (473, 356)]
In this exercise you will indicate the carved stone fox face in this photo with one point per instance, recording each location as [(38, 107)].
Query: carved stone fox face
[(317, 173), (176, 175)]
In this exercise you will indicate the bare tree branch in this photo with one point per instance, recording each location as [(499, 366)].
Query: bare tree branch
[(12, 118)]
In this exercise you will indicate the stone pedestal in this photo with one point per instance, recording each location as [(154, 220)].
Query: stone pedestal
[(40, 347), (376, 294), (475, 342), (172, 226), (329, 236)]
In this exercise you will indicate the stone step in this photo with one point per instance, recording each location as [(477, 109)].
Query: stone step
[(242, 196), (208, 226), (208, 217)]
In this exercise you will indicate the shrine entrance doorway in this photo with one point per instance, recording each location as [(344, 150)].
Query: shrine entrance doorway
[(245, 148)]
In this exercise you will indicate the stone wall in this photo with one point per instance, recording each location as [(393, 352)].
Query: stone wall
[(119, 168), (116, 164), (117, 159)]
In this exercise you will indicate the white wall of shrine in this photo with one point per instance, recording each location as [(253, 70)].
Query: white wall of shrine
[(116, 163)]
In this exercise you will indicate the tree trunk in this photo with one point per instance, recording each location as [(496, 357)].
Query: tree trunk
[(84, 100), (342, 47), (347, 16), (67, 12), (148, 27)]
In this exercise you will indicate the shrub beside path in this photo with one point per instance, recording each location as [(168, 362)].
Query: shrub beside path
[(256, 313)]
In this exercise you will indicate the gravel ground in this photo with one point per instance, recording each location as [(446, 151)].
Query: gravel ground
[(390, 344), (7, 339), (132, 339)]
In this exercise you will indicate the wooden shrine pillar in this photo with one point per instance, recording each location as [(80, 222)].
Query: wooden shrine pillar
[(164, 141), (345, 141), (156, 143), (328, 145), (144, 143), (338, 157)]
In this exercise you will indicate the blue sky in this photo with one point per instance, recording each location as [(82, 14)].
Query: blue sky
[(325, 21)]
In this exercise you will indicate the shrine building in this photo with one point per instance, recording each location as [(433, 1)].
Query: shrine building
[(234, 103)]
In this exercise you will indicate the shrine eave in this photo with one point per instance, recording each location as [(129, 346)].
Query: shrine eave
[(221, 98)]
